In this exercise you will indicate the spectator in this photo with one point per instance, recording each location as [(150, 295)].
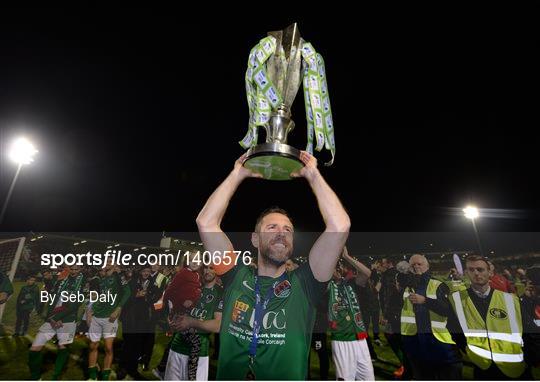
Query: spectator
[(369, 305), (136, 318), (506, 273), (530, 308), (431, 352), (6, 289), (390, 300), (27, 301), (500, 282)]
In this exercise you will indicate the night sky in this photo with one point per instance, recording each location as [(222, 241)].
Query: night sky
[(137, 114)]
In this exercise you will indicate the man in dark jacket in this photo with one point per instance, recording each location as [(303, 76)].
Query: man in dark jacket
[(390, 300), (138, 326), (27, 301), (530, 311)]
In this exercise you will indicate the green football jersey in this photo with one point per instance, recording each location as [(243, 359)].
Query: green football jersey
[(110, 284), (66, 311), (209, 303), (344, 312), (285, 334)]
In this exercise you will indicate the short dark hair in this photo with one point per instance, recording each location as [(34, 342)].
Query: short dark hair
[(388, 260), (472, 258), (268, 211), (533, 274)]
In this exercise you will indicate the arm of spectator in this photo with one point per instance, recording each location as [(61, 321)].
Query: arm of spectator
[(440, 305)]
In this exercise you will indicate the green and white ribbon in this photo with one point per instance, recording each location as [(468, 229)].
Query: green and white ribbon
[(340, 292), (263, 97)]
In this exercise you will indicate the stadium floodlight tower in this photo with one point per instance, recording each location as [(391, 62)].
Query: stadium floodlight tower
[(21, 152), (472, 213)]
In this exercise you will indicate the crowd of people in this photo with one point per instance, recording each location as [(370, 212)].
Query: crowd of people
[(270, 313), (430, 322)]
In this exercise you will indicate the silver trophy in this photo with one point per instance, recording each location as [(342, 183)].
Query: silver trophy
[(275, 159)]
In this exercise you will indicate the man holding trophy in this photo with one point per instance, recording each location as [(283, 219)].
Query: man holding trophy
[(268, 313)]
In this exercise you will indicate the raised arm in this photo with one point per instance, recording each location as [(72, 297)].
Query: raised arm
[(326, 251), (210, 217), (360, 268)]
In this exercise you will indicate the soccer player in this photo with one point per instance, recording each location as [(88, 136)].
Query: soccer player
[(61, 321), (205, 317), (268, 313), (103, 319), (350, 350)]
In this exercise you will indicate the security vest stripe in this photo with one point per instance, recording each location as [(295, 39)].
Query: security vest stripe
[(495, 338), (460, 313), (511, 313), (437, 322), (410, 320), (497, 357)]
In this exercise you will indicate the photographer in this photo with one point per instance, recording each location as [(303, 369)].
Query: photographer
[(432, 353)]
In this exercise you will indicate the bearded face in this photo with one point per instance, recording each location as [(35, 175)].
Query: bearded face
[(275, 239), (209, 275)]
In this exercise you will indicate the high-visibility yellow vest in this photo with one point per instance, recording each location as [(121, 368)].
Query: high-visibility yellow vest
[(456, 285), (497, 340), (438, 322), (159, 279)]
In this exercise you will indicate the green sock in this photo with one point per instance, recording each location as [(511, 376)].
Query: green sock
[(92, 373), (61, 358), (105, 374), (34, 363)]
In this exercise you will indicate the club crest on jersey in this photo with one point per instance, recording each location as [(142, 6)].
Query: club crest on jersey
[(239, 312), (209, 298), (283, 289)]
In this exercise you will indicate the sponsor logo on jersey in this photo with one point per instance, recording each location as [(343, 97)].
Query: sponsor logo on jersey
[(245, 283), (199, 313), (283, 289), (271, 320)]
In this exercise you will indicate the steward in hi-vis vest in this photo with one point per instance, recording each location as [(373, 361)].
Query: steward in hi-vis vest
[(491, 323), (429, 346)]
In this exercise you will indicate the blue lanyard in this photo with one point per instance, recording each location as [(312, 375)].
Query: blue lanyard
[(260, 308)]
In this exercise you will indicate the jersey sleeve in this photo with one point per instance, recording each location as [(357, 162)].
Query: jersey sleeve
[(228, 277), (313, 289)]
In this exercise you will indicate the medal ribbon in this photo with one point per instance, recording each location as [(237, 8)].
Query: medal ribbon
[(260, 308)]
